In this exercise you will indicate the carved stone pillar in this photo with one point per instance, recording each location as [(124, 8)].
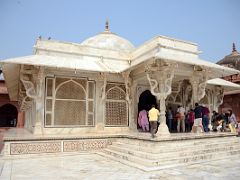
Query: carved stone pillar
[(161, 87), (130, 90), (39, 99)]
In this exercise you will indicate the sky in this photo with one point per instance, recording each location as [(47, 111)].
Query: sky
[(213, 24)]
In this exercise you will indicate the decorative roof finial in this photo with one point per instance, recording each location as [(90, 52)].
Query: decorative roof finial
[(234, 48), (106, 26)]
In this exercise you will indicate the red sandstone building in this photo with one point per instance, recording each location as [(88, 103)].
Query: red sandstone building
[(10, 114), (231, 99)]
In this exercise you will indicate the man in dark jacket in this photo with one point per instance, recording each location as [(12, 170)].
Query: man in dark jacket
[(198, 118)]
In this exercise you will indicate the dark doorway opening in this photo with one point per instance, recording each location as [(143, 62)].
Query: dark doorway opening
[(8, 115), (146, 100)]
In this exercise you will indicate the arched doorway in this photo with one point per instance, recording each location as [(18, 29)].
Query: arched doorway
[(8, 115), (146, 99)]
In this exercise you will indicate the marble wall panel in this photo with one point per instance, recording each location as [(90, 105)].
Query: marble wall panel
[(85, 145), (35, 148)]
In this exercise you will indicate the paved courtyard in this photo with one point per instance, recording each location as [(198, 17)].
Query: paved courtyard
[(92, 166)]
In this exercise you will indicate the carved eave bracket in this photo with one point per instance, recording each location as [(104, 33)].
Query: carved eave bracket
[(31, 88), (24, 101), (153, 84), (202, 86), (199, 82), (219, 95), (161, 85)]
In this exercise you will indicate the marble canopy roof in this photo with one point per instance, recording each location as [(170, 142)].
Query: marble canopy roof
[(109, 53)]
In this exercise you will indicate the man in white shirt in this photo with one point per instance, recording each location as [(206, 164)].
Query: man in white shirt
[(181, 120)]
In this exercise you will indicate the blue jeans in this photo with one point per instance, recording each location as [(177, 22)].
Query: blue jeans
[(169, 124), (205, 122)]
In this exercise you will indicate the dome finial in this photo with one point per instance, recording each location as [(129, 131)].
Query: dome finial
[(234, 48), (106, 26)]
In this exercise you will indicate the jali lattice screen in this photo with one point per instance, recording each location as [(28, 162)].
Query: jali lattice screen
[(116, 105), (69, 102)]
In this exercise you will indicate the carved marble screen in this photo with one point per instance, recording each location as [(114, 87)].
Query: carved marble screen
[(69, 102), (116, 112)]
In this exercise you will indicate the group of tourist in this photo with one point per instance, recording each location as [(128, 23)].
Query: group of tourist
[(225, 122), (189, 121), (194, 120), (149, 119)]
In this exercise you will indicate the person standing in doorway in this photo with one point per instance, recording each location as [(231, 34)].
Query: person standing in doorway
[(153, 117), (181, 120), (143, 120)]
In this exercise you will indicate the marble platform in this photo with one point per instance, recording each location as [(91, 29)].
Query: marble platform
[(21, 142)]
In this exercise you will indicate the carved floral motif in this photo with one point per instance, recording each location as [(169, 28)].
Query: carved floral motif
[(35, 148), (70, 146)]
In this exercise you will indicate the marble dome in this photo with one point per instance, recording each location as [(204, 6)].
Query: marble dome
[(109, 41), (232, 60)]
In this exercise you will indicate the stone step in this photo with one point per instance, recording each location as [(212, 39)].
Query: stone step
[(159, 142), (174, 147), (129, 157), (166, 155), (150, 165), (123, 161)]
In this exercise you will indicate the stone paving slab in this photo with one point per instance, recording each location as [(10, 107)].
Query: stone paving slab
[(90, 166)]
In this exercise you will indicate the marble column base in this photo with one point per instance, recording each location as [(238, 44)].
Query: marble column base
[(163, 130), (37, 130)]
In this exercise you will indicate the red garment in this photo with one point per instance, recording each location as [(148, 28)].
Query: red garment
[(191, 117), (205, 111)]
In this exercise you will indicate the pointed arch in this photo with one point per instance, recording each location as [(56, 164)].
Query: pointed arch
[(70, 90), (8, 115), (116, 107), (116, 93)]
